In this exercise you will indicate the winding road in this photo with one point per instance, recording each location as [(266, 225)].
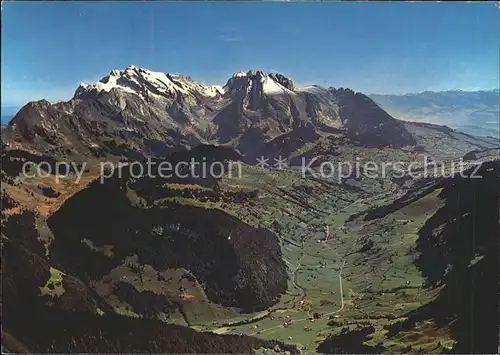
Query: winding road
[(342, 304), (326, 314)]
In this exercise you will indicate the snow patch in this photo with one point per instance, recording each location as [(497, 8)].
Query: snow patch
[(111, 83), (213, 90), (269, 86), (272, 87), (136, 80), (240, 75), (312, 89)]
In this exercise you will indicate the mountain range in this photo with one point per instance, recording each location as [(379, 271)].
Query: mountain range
[(135, 112), (271, 260)]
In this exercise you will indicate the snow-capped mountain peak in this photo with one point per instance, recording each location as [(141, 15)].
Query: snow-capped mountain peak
[(144, 82), (148, 83), (258, 81)]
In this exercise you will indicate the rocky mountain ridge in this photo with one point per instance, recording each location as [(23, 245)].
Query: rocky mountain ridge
[(242, 255), (135, 112)]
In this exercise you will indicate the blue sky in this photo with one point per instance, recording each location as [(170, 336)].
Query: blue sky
[(49, 48)]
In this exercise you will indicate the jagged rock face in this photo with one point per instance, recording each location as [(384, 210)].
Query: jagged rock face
[(257, 84), (116, 123), (128, 113), (258, 104), (136, 112), (282, 80)]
